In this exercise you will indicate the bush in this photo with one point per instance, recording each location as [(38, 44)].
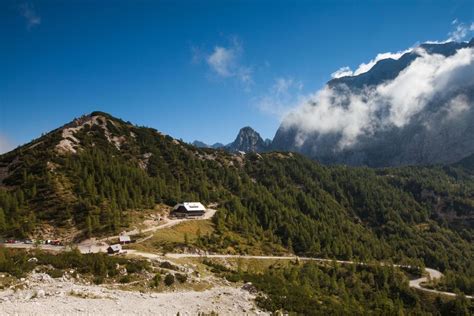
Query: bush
[(155, 282), (216, 267), (181, 277), (98, 280), (55, 273), (169, 266), (125, 279), (169, 279), (135, 266), (233, 277)]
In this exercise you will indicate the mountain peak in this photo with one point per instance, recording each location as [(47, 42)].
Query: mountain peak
[(247, 129), (248, 140)]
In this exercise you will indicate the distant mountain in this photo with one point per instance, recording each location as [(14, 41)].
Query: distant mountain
[(200, 144), (247, 140), (217, 145), (415, 110)]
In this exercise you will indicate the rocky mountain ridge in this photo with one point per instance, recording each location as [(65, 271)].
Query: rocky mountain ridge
[(399, 125)]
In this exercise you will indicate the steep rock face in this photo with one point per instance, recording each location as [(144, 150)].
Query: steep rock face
[(248, 140), (441, 132)]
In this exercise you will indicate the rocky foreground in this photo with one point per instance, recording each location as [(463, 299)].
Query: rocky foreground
[(39, 294)]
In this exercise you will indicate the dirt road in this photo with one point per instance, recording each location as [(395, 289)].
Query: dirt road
[(416, 283), (93, 246)]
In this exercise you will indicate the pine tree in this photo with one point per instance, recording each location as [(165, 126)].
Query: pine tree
[(89, 226), (3, 224)]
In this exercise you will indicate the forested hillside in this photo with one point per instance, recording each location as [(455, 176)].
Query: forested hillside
[(89, 174)]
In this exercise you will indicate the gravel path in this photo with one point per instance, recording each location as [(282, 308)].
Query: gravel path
[(416, 283), (46, 296)]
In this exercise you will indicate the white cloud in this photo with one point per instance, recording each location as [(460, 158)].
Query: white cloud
[(5, 144), (461, 31), (394, 103), (225, 61), (222, 60), (457, 106), (364, 67), (32, 18), (282, 96), (342, 72)]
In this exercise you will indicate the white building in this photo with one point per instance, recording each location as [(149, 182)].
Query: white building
[(125, 239), (117, 248), (188, 209)]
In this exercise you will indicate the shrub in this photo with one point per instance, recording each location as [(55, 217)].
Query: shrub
[(168, 265), (98, 280), (155, 282), (55, 273), (135, 266), (125, 279), (169, 279), (181, 277)]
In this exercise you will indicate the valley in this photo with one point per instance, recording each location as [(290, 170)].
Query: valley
[(101, 245), (275, 207)]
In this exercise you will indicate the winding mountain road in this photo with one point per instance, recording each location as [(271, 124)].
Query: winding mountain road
[(416, 283), (94, 246)]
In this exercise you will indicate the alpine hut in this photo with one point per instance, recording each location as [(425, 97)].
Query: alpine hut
[(124, 239), (188, 210), (117, 248)]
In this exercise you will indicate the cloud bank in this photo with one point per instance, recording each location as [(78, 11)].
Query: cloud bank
[(393, 103)]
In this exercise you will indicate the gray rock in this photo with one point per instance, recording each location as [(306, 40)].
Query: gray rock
[(40, 293)]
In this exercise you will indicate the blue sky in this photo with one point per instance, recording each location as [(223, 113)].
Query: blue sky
[(194, 70)]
